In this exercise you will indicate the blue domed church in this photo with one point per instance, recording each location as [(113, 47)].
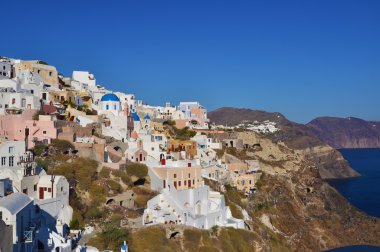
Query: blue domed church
[(109, 103)]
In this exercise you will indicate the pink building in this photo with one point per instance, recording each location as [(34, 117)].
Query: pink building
[(23, 127)]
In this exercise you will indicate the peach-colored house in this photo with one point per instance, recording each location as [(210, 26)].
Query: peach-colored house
[(23, 127), (184, 174), (237, 166), (241, 177)]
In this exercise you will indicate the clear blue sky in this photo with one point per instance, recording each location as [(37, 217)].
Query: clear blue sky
[(301, 58)]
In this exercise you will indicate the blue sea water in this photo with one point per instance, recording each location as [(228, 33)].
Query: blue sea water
[(356, 249), (363, 192)]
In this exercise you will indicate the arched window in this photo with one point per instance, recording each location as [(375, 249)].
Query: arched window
[(107, 107)]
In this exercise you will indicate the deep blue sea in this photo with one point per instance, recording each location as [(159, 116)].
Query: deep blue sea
[(364, 191)]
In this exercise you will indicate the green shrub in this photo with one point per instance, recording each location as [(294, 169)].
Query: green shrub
[(235, 211), (137, 169), (61, 145), (44, 163), (39, 149), (98, 194), (105, 172), (141, 201), (123, 175), (126, 179), (169, 122), (111, 237), (82, 170), (114, 186), (94, 212), (184, 133)]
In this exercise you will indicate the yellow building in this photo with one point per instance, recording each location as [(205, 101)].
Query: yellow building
[(48, 73)]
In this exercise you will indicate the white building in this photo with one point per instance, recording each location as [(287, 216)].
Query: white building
[(14, 99), (50, 193), (23, 227), (17, 212), (5, 68), (183, 198), (198, 207), (84, 77)]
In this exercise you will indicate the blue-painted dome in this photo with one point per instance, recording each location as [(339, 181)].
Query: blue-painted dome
[(147, 117), (110, 97), (135, 117)]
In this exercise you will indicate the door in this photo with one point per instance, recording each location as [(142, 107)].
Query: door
[(175, 184), (41, 193), (140, 157), (189, 183)]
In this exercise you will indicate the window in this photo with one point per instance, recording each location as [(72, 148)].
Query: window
[(189, 175), (114, 107), (1, 215), (11, 159), (38, 71), (3, 160), (50, 73), (11, 149), (49, 189), (107, 107), (13, 100), (61, 188), (44, 132), (175, 175), (35, 188), (45, 188), (179, 183)]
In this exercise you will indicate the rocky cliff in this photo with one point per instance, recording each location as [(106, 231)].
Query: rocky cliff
[(298, 137), (346, 132)]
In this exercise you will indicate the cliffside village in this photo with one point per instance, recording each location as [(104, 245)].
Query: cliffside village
[(38, 105)]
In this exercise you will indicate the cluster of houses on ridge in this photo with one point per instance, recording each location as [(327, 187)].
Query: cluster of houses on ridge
[(37, 105)]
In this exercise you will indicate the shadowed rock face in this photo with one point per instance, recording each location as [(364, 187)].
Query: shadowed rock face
[(311, 215), (296, 136), (346, 132)]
